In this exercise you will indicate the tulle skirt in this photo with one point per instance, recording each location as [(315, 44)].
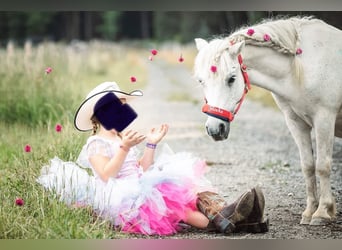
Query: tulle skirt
[(152, 203)]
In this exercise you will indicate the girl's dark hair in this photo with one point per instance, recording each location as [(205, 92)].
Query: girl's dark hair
[(95, 123)]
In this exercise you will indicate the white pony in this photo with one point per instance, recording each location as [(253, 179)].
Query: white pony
[(299, 60)]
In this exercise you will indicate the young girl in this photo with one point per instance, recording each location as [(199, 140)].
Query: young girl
[(142, 195)]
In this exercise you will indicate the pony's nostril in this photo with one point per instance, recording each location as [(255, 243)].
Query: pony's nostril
[(221, 128)]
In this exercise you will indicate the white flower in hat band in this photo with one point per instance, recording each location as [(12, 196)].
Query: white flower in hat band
[(82, 120)]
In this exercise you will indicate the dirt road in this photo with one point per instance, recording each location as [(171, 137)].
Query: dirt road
[(260, 150)]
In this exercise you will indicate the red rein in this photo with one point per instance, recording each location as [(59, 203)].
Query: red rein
[(223, 114)]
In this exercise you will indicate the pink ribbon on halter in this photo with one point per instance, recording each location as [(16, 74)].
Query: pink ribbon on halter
[(223, 114)]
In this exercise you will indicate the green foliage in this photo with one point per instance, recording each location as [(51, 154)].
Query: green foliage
[(109, 27), (37, 22)]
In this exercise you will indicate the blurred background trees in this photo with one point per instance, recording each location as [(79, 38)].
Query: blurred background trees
[(127, 25)]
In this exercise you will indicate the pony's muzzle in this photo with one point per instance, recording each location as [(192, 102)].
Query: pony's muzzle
[(218, 130)]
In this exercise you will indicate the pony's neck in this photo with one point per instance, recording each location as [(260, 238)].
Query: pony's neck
[(269, 69)]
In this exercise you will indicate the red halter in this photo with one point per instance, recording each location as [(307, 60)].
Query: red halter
[(223, 114)]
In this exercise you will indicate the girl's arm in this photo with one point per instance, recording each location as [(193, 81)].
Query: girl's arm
[(153, 138), (107, 167)]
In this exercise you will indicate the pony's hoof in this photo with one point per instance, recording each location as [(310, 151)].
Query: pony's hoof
[(319, 221), (305, 220)]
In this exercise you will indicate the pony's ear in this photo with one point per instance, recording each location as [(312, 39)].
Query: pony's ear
[(236, 48), (200, 43)]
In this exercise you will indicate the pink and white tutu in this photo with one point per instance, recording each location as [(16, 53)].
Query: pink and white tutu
[(150, 202)]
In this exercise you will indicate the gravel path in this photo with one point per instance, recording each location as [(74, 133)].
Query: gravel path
[(260, 150)]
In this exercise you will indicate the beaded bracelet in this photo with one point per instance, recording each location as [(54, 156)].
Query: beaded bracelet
[(151, 145)]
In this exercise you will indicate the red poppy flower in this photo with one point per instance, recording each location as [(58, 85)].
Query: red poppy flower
[(58, 127), (133, 79), (181, 59), (213, 69), (19, 202), (48, 70), (154, 52), (27, 148)]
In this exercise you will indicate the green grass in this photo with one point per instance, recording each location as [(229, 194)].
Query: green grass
[(31, 104)]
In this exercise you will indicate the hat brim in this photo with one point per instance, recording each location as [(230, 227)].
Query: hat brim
[(82, 120)]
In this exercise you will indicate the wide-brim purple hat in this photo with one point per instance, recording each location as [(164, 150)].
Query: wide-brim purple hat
[(82, 120)]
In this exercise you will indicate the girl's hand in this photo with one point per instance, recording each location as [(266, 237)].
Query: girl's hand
[(155, 136), (131, 138)]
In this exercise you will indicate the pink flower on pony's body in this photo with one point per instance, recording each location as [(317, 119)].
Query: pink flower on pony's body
[(250, 32), (213, 69), (48, 70), (19, 202), (58, 127), (27, 148)]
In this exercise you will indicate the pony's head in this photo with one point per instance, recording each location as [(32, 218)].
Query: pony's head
[(219, 72)]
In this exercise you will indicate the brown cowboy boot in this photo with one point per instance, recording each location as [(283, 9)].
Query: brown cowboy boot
[(222, 215), (255, 223)]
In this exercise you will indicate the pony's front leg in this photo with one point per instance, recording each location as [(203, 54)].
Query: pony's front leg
[(324, 130)]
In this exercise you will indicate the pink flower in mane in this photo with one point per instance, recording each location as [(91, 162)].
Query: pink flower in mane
[(250, 32), (299, 51), (267, 38), (213, 69)]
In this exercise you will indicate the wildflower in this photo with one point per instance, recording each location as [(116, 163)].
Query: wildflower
[(27, 148), (58, 128), (154, 52), (48, 70), (250, 32), (267, 38), (150, 58), (299, 51), (133, 79), (213, 69), (181, 59), (19, 201)]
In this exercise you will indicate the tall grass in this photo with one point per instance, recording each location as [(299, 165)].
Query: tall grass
[(31, 104), (29, 95)]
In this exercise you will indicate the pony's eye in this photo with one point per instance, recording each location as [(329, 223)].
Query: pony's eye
[(230, 80), (200, 81)]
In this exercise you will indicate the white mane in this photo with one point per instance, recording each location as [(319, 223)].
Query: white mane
[(284, 37), (284, 34)]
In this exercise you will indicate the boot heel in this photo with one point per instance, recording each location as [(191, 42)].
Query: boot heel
[(256, 227)]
